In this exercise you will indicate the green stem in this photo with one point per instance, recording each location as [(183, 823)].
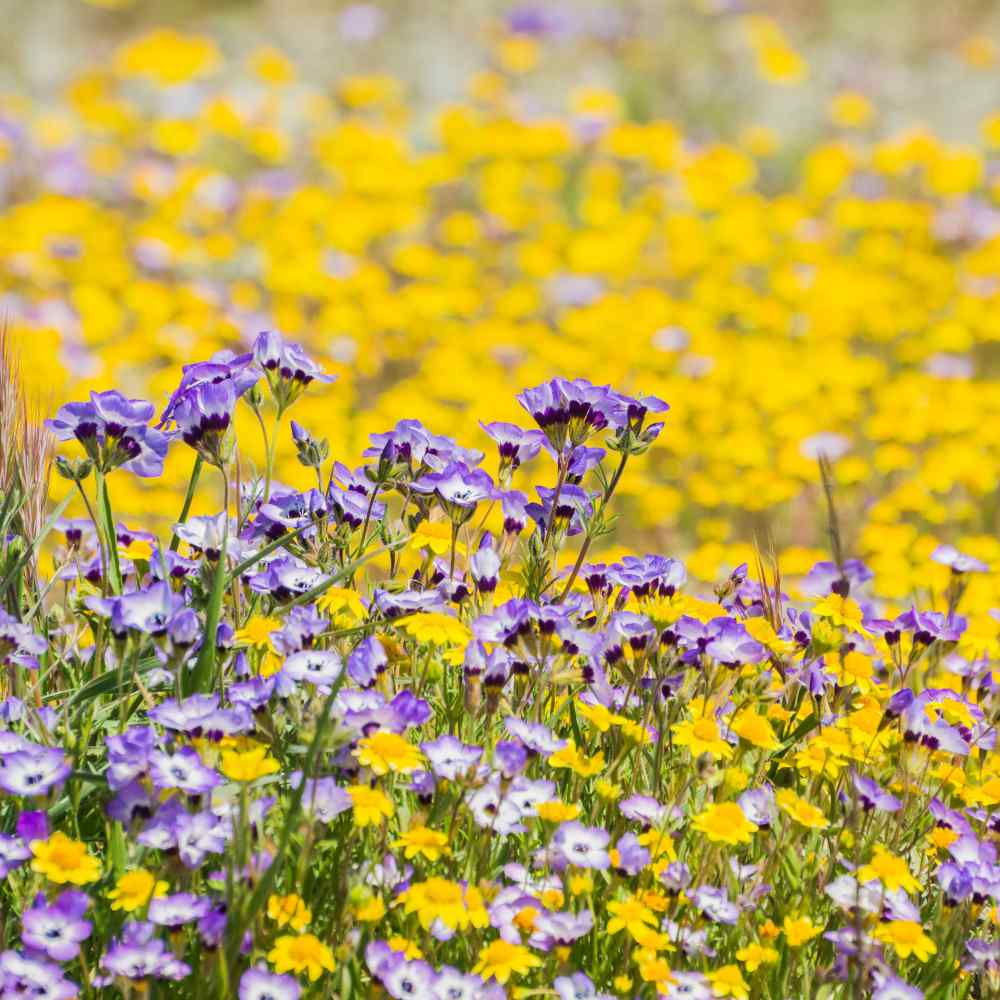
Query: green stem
[(110, 536), (188, 499)]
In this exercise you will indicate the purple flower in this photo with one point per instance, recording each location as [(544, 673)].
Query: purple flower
[(322, 798), (958, 562), (871, 795), (731, 644), (182, 769), (176, 910), (450, 758), (568, 412), (138, 955), (114, 431), (758, 804), (320, 667), (632, 856), (514, 444), (259, 984), (825, 578), (33, 770), (287, 367), (239, 373), (23, 976), (57, 929), (582, 846), (20, 645), (366, 661), (578, 987), (203, 415), (510, 756), (715, 904), (458, 488), (484, 566), (199, 835)]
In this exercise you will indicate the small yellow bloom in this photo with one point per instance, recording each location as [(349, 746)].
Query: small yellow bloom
[(63, 860), (372, 911), (370, 805), (301, 953), (577, 762), (728, 981), (725, 823), (247, 766), (289, 911), (890, 870), (556, 811), (799, 930), (908, 938), (384, 752), (754, 955), (701, 736), (135, 889), (801, 811), (257, 633), (500, 960), (423, 842)]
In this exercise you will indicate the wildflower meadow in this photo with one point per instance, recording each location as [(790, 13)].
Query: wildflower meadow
[(500, 520)]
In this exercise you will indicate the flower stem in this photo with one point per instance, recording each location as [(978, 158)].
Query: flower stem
[(188, 500)]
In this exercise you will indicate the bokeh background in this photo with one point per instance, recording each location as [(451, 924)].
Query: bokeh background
[(782, 217)]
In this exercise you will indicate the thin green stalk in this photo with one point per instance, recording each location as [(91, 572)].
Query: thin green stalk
[(188, 499)]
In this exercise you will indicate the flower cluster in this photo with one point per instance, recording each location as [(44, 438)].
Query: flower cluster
[(398, 730)]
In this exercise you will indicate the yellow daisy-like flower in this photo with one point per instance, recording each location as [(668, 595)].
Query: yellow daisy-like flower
[(728, 981), (844, 612), (371, 912), (576, 761), (384, 752), (755, 729), (890, 870), (630, 915), (247, 766), (338, 600), (500, 960), (436, 629), (725, 823), (557, 811), (800, 810), (62, 860), (135, 889), (290, 911), (799, 930), (423, 842), (701, 736), (754, 955), (908, 938), (437, 899), (257, 633), (301, 953), (371, 806)]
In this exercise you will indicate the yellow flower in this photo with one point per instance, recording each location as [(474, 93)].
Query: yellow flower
[(754, 955), (63, 860), (370, 805), (597, 715), (248, 766), (427, 843), (799, 930), (908, 938), (384, 752), (608, 789), (755, 729), (701, 736), (890, 870), (630, 915), (301, 953), (289, 910), (850, 109), (372, 911), (728, 981), (440, 899), (135, 889), (576, 761), (725, 823), (337, 600), (257, 633), (800, 810), (436, 629), (841, 611), (556, 811), (500, 960)]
